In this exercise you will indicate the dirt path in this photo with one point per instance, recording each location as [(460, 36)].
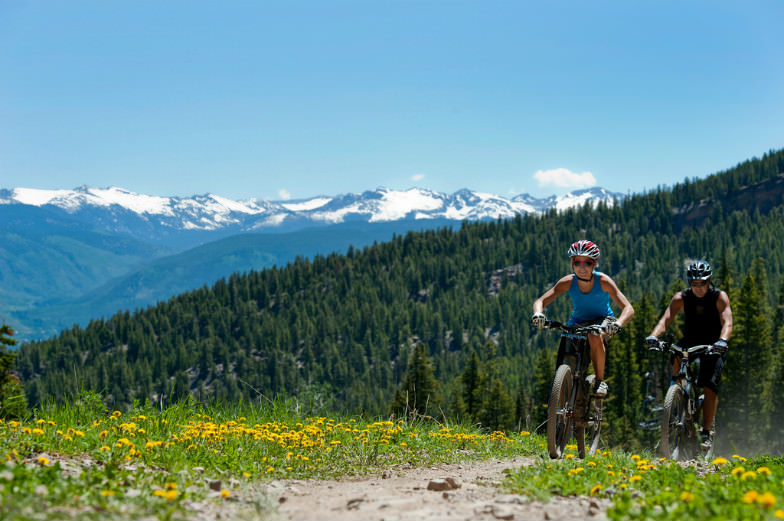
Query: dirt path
[(444, 493)]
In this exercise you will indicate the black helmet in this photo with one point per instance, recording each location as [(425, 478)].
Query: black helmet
[(699, 270)]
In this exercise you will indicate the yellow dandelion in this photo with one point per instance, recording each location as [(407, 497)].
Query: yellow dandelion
[(748, 475), (737, 471), (687, 497), (525, 433), (635, 457), (38, 432), (43, 460), (764, 471), (170, 495), (720, 461), (591, 464), (106, 493), (596, 489), (569, 456), (225, 493), (739, 458), (635, 478), (105, 449), (779, 514), (750, 496), (767, 500)]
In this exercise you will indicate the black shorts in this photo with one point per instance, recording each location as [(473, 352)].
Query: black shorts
[(711, 367)]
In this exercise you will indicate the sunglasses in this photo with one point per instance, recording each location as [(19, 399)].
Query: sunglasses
[(588, 263)]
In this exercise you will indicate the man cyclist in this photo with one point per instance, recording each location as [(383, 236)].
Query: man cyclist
[(708, 322), (591, 292)]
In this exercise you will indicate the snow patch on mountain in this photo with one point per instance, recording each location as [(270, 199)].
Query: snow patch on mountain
[(212, 212)]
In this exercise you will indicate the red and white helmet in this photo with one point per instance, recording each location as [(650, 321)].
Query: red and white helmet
[(584, 248)]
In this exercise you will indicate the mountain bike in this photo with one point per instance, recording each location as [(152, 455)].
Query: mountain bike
[(681, 418), (572, 406)]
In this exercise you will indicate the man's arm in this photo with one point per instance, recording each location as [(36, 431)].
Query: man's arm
[(725, 315), (675, 307)]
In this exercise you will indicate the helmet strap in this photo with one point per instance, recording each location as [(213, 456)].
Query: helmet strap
[(582, 279)]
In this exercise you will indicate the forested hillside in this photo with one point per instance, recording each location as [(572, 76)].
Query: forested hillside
[(449, 310)]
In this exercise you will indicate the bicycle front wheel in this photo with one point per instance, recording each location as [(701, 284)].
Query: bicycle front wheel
[(673, 424), (559, 412)]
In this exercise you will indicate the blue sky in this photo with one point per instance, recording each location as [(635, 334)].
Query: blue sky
[(275, 100)]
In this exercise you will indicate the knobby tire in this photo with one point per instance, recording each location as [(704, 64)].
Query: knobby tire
[(674, 442), (559, 426)]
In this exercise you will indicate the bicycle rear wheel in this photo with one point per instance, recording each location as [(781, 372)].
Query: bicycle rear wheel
[(674, 443), (559, 412)]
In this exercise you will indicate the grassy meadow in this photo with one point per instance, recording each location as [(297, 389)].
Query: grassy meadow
[(82, 460)]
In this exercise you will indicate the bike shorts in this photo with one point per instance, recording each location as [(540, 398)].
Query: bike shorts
[(711, 367)]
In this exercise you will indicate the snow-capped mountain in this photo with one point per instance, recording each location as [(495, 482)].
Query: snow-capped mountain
[(111, 206)]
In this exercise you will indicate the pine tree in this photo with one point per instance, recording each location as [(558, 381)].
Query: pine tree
[(12, 397), (472, 382), (745, 368), (419, 393)]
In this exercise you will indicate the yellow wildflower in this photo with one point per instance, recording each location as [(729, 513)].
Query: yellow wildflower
[(687, 496), (43, 460), (225, 493), (106, 493), (596, 489), (738, 470), (767, 500), (720, 461), (748, 475), (779, 514), (750, 496), (635, 478), (764, 470)]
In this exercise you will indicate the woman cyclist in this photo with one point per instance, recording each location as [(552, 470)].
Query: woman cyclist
[(591, 292)]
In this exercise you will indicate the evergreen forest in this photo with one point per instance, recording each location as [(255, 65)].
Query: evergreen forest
[(436, 323)]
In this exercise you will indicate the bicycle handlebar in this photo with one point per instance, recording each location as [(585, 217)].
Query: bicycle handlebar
[(594, 329), (694, 350)]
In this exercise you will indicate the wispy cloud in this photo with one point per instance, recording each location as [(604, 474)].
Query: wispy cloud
[(564, 178), (417, 177), (284, 194)]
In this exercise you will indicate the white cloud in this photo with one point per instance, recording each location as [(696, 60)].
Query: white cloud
[(417, 177), (284, 194), (564, 178)]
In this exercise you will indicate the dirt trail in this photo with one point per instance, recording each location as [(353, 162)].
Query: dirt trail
[(444, 493)]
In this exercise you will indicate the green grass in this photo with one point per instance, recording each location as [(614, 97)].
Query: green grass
[(81, 460), (646, 487)]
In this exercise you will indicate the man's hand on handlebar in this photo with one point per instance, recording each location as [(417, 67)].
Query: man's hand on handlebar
[(652, 342), (719, 347)]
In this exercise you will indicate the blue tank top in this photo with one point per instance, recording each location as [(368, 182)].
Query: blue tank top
[(589, 306)]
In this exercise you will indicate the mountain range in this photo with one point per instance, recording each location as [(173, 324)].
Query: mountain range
[(68, 256)]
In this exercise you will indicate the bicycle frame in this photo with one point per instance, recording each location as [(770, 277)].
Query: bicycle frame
[(682, 408), (571, 406)]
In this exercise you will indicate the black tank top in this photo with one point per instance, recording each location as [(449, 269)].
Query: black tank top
[(703, 324)]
